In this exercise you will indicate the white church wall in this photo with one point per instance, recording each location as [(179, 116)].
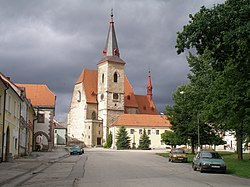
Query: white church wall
[(77, 113)]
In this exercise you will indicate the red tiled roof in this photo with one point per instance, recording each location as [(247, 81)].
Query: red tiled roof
[(129, 96), (39, 94), (89, 80), (142, 120), (145, 106)]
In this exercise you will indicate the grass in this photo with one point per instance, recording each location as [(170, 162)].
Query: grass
[(234, 166)]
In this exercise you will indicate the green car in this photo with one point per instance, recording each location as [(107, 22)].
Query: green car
[(76, 150), (209, 161)]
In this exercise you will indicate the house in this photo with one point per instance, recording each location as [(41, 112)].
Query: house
[(135, 124), (101, 96), (25, 130), (10, 117), (43, 101), (60, 133)]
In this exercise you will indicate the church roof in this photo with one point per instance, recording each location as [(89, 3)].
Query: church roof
[(89, 80), (111, 46), (142, 120), (145, 106), (39, 94)]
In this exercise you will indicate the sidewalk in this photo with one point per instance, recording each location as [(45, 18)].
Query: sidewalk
[(24, 165)]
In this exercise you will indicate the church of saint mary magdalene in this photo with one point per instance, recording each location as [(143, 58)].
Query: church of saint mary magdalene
[(103, 100)]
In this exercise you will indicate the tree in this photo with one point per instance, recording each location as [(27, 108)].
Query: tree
[(169, 138), (144, 141), (108, 143), (122, 139), (220, 36)]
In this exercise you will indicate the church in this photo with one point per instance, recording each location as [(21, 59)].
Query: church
[(103, 98)]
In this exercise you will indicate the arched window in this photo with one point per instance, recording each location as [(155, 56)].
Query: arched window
[(103, 78), (115, 77), (93, 115), (79, 96)]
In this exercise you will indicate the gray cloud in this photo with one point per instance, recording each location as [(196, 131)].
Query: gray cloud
[(50, 42)]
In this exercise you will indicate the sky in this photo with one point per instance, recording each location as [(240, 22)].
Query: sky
[(50, 42)]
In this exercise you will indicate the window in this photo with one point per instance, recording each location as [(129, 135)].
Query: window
[(157, 132), (102, 97), (93, 115), (9, 101), (140, 131), (115, 77), (79, 96), (149, 132), (102, 78), (40, 118), (15, 109), (115, 96), (132, 131)]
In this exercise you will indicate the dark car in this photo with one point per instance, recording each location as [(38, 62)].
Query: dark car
[(177, 155), (76, 150), (209, 161)]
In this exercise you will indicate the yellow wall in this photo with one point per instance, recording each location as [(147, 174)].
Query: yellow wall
[(2, 88), (12, 115), (155, 138)]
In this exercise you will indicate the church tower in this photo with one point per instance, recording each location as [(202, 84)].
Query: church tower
[(110, 94)]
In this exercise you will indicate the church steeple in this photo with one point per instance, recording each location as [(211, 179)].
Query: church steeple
[(149, 88), (111, 47)]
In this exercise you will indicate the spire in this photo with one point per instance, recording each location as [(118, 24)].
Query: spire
[(111, 47), (149, 88)]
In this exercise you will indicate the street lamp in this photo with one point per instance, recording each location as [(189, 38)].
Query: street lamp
[(198, 125)]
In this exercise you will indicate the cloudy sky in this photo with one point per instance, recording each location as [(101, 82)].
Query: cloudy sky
[(50, 42)]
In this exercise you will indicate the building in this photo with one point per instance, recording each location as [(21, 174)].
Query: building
[(154, 125), (60, 133), (25, 130), (43, 101), (101, 96), (3, 91), (10, 103)]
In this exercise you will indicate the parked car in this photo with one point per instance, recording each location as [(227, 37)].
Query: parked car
[(76, 150), (177, 155), (209, 161)]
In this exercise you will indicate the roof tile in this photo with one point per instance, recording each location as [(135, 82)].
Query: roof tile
[(142, 120), (39, 94)]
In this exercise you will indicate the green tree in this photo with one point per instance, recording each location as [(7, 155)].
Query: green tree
[(122, 139), (169, 138), (144, 141), (221, 36), (108, 143)]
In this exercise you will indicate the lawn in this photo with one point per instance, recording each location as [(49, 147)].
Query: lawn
[(234, 166)]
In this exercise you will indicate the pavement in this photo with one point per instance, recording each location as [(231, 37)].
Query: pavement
[(34, 163), (28, 164)]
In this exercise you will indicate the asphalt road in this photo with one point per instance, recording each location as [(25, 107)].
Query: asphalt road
[(145, 168), (108, 168)]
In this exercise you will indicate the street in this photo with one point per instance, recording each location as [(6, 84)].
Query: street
[(145, 168), (102, 167)]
